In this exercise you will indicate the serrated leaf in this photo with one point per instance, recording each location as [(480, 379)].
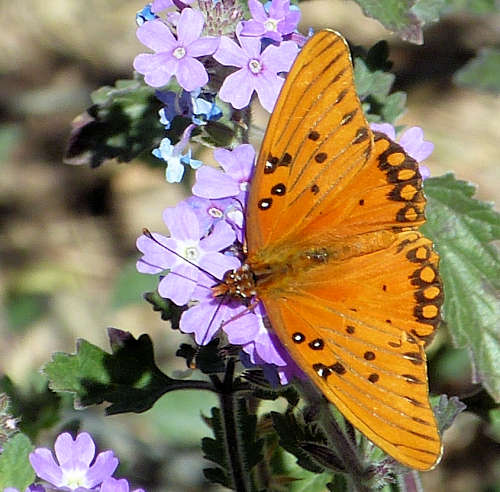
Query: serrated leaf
[(168, 309), (462, 229), (208, 359), (446, 410), (482, 72), (293, 433), (373, 84), (122, 123), (215, 451), (395, 15), (15, 468), (128, 378)]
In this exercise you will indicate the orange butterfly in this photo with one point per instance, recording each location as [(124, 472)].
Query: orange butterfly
[(350, 286)]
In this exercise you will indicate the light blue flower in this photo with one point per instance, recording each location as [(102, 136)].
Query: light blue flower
[(145, 15), (174, 157)]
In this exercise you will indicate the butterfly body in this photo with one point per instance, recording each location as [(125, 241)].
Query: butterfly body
[(350, 286)]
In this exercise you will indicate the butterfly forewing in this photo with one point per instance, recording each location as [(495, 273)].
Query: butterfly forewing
[(317, 140)]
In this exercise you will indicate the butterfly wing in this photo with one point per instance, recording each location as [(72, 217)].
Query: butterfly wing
[(358, 328)]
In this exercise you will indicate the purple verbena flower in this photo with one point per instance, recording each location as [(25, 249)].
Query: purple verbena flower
[(73, 469), (412, 141), (209, 212), (257, 71), (186, 247), (174, 157), (237, 165), (116, 485), (175, 56), (275, 24)]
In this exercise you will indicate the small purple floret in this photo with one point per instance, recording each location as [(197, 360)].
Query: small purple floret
[(73, 468)]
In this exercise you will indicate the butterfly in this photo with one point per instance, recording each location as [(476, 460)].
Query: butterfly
[(351, 288)]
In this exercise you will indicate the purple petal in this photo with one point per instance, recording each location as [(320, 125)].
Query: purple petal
[(425, 172), (279, 58), (385, 128), (82, 448), (182, 222), (268, 86), (229, 53), (412, 140), (156, 257), (190, 26), (221, 237), (212, 183), (251, 46), (257, 10), (238, 163), (289, 23), (157, 69), (253, 28), (279, 8), (179, 284), (218, 264), (238, 88), (191, 74), (45, 466), (243, 329), (114, 485), (104, 466), (269, 348), (157, 36), (159, 5), (201, 321), (203, 46)]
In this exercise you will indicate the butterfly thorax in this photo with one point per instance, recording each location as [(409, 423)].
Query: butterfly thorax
[(283, 267)]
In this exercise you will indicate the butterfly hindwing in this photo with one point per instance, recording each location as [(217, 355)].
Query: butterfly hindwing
[(358, 329)]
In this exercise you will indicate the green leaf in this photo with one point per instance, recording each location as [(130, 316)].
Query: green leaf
[(482, 72), (397, 16), (15, 468), (122, 123), (168, 309), (373, 84), (293, 434), (446, 410), (128, 378), (37, 407), (462, 229), (215, 451)]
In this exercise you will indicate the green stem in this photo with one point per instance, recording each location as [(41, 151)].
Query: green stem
[(234, 449)]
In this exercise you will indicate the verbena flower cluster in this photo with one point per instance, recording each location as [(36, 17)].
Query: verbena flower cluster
[(207, 231)]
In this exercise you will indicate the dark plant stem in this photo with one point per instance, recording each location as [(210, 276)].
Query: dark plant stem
[(343, 445), (234, 448)]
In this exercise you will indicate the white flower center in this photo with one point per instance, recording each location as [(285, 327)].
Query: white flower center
[(74, 478), (215, 212), (255, 66), (271, 24), (179, 52), (191, 253)]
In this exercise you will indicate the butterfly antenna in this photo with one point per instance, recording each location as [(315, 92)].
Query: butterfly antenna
[(212, 319), (148, 234)]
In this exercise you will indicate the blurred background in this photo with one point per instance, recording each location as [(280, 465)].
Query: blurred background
[(67, 233)]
